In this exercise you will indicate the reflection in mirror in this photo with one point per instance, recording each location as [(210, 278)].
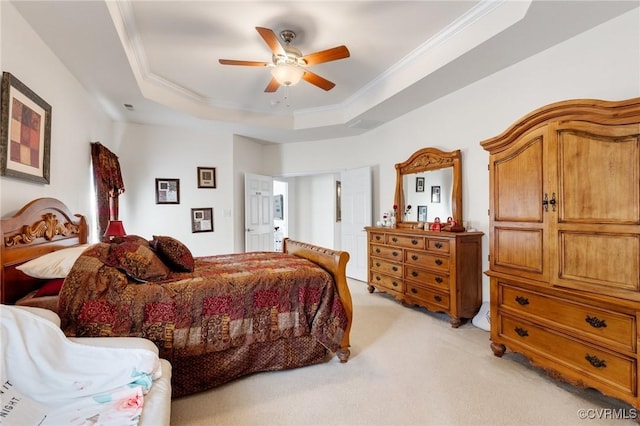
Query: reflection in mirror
[(429, 195), (430, 182)]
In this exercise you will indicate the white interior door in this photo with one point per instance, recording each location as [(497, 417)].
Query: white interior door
[(356, 214), (258, 216)]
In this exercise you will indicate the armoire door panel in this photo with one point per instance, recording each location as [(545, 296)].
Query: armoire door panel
[(598, 177), (519, 249), (518, 183), (608, 260)]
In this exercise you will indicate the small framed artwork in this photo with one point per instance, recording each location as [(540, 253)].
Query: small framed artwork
[(202, 219), (435, 194), (25, 132), (167, 191), (278, 214), (338, 201), (422, 213), (419, 184), (206, 177)]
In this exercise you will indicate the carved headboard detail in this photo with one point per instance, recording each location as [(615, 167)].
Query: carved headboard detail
[(42, 226)]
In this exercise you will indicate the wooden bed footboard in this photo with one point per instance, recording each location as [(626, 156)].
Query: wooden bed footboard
[(335, 262)]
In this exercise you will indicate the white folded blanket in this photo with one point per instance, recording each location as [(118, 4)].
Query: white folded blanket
[(54, 381)]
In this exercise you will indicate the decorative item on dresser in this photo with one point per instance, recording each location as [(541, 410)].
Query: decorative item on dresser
[(441, 271), (565, 242)]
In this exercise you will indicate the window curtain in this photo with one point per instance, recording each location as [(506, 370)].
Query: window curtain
[(108, 184)]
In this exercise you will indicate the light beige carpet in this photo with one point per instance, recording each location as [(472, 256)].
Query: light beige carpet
[(407, 367)]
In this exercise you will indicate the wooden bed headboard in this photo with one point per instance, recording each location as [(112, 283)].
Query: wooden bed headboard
[(42, 226)]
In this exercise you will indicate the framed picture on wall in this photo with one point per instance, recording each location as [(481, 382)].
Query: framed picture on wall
[(25, 132), (167, 191), (278, 213), (202, 219), (419, 184), (206, 177), (435, 194), (422, 213)]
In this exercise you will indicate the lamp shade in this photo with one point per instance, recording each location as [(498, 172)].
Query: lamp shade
[(115, 229), (287, 74)]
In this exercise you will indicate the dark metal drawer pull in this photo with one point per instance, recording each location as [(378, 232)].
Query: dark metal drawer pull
[(438, 262), (522, 300), (414, 242), (378, 237), (414, 273), (378, 264), (414, 291), (377, 250), (414, 257), (395, 269), (595, 361), (439, 280), (521, 332), (395, 284), (378, 278), (395, 253), (394, 239), (438, 245), (437, 298), (595, 322)]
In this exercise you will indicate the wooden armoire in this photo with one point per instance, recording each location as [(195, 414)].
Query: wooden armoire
[(565, 242)]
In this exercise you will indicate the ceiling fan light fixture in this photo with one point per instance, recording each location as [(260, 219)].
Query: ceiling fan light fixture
[(287, 74)]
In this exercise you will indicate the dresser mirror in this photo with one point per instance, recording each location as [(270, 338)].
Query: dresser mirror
[(430, 182)]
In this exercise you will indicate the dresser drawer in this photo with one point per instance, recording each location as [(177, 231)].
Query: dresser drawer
[(606, 367), (433, 279), (427, 260), (376, 237), (406, 241), (605, 325), (440, 246), (392, 253), (386, 267), (391, 283), (428, 295)]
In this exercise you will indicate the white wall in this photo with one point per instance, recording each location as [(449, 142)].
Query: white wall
[(76, 119), (150, 152), (603, 63)]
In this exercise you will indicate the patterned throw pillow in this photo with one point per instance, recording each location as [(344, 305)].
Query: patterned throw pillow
[(174, 253), (137, 260)]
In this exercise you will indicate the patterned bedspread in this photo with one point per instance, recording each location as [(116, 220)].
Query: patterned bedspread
[(228, 301)]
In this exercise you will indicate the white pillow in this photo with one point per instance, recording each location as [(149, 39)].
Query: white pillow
[(52, 265)]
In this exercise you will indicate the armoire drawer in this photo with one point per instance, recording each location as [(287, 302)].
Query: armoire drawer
[(427, 295), (606, 325), (614, 370), (409, 241), (427, 260), (386, 267), (392, 253), (391, 283), (433, 279)]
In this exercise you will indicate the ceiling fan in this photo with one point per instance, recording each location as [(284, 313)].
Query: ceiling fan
[(288, 64)]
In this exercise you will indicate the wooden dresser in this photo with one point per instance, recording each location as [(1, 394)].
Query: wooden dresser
[(565, 242), (441, 271)]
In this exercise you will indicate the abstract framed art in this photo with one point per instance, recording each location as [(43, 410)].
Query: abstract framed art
[(167, 191), (202, 219), (206, 177), (25, 132)]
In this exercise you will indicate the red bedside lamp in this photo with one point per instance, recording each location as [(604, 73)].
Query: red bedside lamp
[(115, 228)]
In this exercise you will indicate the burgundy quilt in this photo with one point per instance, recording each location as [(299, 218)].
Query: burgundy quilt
[(228, 301)]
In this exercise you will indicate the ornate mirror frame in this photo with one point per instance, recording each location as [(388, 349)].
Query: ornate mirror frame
[(431, 159)]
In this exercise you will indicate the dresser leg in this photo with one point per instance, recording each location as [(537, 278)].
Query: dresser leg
[(498, 349), (455, 322), (371, 288)]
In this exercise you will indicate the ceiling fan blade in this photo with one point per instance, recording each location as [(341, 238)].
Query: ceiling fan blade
[(316, 80), (272, 86), (333, 54), (245, 63), (272, 41)]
